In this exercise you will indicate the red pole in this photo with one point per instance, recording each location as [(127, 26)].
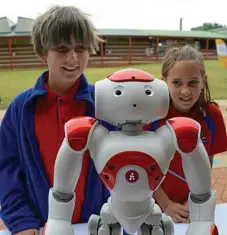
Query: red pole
[(157, 48), (130, 51), (101, 48), (10, 53)]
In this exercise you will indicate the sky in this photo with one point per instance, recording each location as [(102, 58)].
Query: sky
[(130, 14)]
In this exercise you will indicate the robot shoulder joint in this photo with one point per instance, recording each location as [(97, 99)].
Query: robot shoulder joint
[(186, 133), (77, 132)]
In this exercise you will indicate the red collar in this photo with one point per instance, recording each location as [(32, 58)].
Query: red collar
[(173, 112), (67, 96)]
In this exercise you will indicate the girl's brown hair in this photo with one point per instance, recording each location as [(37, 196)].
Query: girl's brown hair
[(188, 52)]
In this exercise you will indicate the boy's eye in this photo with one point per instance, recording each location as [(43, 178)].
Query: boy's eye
[(62, 49), (80, 48)]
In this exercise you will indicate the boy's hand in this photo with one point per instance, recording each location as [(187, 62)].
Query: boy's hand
[(28, 232), (179, 213), (2, 225)]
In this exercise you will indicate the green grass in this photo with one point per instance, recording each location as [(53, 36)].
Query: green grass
[(14, 82)]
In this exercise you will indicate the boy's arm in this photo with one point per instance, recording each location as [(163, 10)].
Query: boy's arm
[(15, 210)]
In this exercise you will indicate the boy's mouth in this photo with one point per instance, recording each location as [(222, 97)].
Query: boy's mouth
[(70, 69)]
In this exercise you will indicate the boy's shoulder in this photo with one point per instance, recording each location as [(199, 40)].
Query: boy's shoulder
[(17, 104), (21, 98)]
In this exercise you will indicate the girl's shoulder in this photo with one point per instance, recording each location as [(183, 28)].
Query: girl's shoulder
[(213, 110)]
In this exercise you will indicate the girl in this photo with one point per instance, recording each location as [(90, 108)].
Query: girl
[(184, 72)]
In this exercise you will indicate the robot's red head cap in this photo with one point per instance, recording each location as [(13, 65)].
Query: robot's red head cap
[(131, 75)]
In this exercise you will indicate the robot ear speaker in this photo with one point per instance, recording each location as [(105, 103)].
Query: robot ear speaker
[(110, 75)]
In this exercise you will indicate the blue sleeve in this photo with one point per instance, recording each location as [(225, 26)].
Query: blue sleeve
[(15, 210), (109, 126)]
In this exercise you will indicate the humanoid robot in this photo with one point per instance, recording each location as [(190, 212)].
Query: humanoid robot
[(131, 163)]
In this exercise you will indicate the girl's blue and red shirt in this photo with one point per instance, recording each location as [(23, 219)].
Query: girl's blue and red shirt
[(29, 142), (213, 136)]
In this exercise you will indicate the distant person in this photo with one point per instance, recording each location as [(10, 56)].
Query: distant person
[(32, 129), (184, 72)]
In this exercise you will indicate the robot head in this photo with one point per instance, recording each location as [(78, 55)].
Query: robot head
[(131, 96)]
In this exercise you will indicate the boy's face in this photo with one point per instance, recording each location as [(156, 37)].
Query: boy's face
[(66, 63)]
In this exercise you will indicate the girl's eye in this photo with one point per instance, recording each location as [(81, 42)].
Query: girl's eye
[(193, 83), (176, 83)]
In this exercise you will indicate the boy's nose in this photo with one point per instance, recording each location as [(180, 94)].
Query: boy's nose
[(72, 55)]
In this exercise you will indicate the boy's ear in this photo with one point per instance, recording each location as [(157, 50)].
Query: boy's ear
[(43, 59)]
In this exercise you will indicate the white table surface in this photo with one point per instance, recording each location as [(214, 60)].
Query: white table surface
[(180, 229)]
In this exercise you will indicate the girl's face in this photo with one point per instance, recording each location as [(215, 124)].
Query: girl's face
[(185, 83)]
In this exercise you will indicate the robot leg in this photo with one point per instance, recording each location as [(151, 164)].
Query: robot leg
[(105, 224), (156, 224)]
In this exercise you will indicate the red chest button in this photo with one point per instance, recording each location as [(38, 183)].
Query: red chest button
[(131, 176)]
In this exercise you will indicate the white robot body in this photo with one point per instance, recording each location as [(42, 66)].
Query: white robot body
[(131, 186), (131, 162), (104, 145)]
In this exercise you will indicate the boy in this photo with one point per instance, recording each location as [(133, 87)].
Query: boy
[(33, 127)]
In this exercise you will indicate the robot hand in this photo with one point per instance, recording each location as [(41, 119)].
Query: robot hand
[(202, 216), (59, 217), (58, 227)]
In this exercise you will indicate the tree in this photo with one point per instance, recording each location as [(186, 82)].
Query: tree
[(209, 26)]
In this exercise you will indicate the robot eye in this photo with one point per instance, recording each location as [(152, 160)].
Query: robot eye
[(149, 91), (118, 91)]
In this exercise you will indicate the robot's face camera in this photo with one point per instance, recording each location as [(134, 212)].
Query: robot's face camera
[(148, 90), (118, 91)]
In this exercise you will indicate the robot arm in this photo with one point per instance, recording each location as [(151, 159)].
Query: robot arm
[(68, 164), (196, 165), (197, 170), (78, 133)]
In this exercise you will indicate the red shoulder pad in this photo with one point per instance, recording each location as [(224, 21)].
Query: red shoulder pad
[(187, 133), (77, 131)]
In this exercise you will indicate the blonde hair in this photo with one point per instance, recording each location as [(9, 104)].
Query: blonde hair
[(188, 52), (58, 24)]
